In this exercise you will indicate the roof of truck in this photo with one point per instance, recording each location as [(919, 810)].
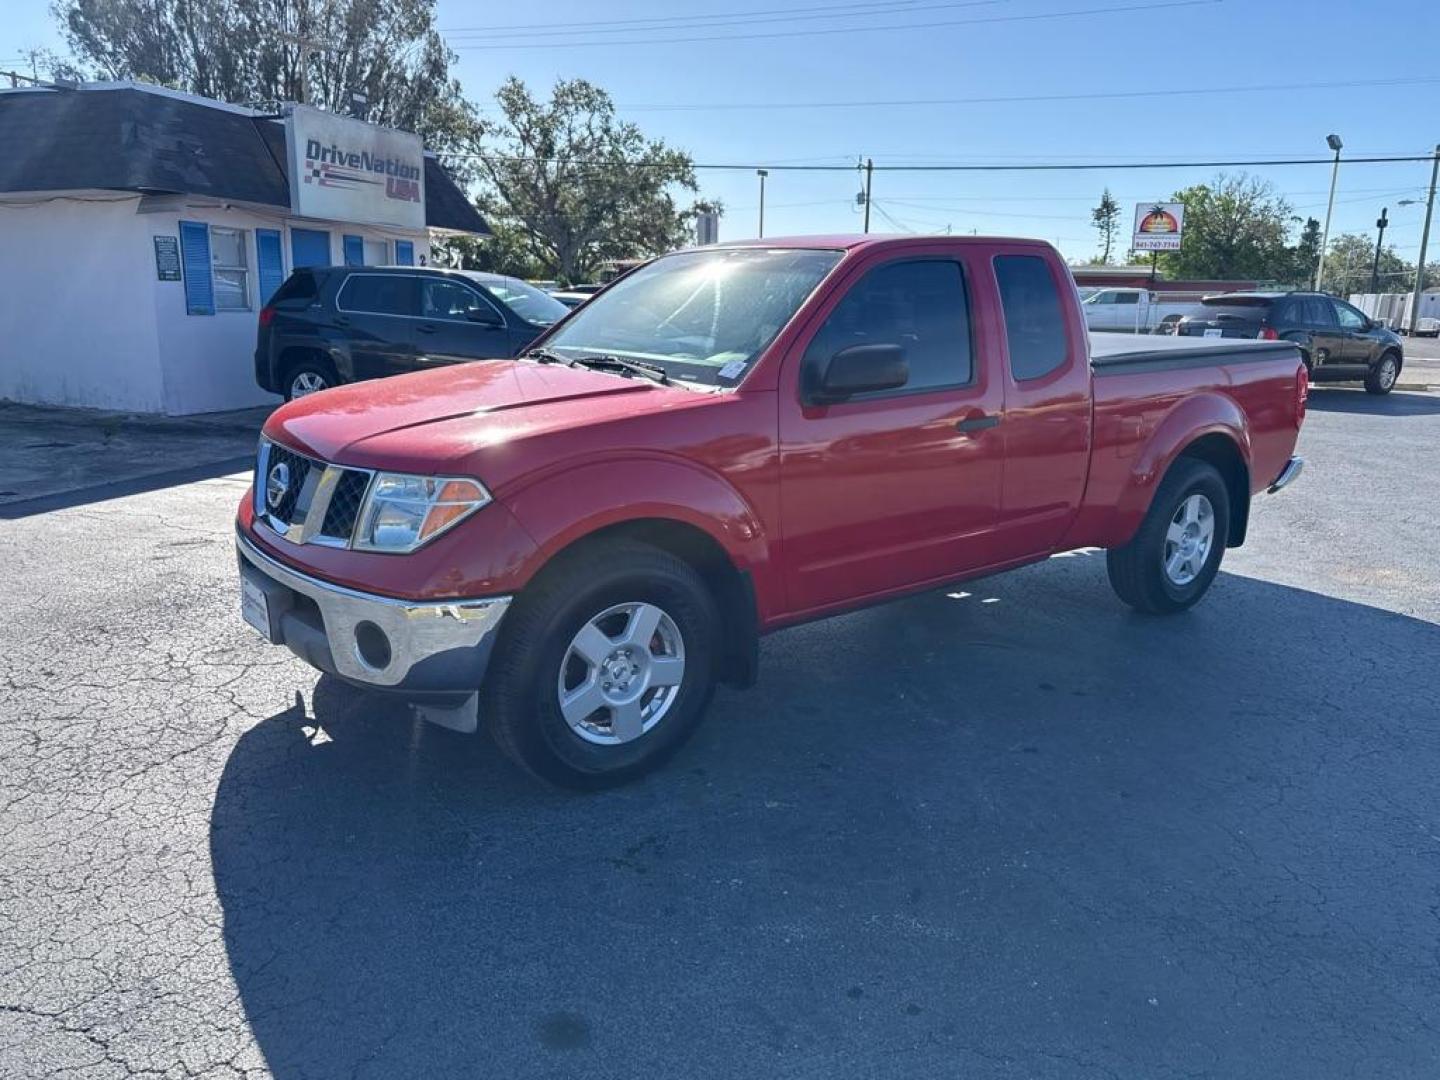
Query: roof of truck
[(846, 241)]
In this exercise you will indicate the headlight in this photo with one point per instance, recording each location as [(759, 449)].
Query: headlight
[(402, 512)]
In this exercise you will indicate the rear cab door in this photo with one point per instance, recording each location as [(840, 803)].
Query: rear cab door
[(1048, 415), (1327, 343), (896, 488), (375, 310)]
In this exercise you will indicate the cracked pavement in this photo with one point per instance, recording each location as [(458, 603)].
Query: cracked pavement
[(1004, 830)]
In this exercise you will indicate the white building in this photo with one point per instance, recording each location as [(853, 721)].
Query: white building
[(141, 230)]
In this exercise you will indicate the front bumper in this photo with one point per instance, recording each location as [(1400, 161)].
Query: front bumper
[(417, 648)]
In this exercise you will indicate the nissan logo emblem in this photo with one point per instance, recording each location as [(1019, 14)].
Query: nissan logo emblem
[(277, 485)]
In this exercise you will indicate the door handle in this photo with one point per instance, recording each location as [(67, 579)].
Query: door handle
[(426, 328), (977, 423)]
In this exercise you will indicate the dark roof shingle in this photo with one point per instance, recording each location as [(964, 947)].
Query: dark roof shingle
[(127, 139)]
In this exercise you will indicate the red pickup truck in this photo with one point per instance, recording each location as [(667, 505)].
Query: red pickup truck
[(578, 544)]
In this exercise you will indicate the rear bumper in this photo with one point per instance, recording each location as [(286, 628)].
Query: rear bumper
[(414, 648), (1287, 476)]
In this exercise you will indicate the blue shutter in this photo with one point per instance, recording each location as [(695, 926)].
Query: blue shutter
[(195, 256), (309, 247), (354, 251), (270, 263), (404, 253)]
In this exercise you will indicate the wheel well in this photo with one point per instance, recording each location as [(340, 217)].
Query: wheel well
[(295, 355), (1221, 452), (733, 590)]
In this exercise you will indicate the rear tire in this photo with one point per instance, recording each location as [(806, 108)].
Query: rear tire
[(582, 692), (309, 377), (1381, 378), (1174, 556)]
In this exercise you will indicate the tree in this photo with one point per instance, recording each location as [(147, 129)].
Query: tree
[(576, 186), (1106, 219), (247, 52), (1304, 255), (1348, 263), (1236, 227)]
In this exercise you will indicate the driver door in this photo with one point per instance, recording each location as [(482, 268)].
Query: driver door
[(899, 487)]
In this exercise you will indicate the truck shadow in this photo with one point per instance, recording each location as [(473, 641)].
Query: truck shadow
[(964, 828), (1342, 399)]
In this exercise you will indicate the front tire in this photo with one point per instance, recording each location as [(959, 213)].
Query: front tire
[(605, 666), (1381, 378), (1174, 556)]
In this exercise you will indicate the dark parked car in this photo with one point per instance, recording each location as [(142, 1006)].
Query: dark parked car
[(1339, 342), (339, 324)]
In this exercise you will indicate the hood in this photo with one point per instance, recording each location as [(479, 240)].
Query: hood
[(432, 420)]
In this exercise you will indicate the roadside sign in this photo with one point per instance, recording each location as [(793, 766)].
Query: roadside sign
[(167, 258), (1158, 226)]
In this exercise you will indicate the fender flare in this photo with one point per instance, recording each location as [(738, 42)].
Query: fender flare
[(565, 503), (1191, 420)]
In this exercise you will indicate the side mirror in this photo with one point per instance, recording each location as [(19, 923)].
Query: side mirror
[(484, 316), (860, 369)]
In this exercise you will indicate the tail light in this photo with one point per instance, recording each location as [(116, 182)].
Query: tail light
[(1268, 333), (1302, 393), (267, 316)]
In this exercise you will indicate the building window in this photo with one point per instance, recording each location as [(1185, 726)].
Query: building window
[(377, 253), (230, 268)]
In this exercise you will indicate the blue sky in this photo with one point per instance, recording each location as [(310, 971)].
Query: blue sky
[(926, 49)]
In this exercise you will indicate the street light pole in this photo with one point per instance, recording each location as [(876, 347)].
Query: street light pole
[(762, 173), (1332, 141), (1380, 223), (1424, 243)]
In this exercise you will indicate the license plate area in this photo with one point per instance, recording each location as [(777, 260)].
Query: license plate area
[(255, 608)]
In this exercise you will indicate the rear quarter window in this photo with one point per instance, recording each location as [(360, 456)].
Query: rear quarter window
[(299, 289), (1034, 318)]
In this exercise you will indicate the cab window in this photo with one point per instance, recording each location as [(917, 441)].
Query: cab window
[(1034, 319), (1350, 319), (919, 305), (449, 300)]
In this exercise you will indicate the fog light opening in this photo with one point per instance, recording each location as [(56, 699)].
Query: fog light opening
[(372, 646)]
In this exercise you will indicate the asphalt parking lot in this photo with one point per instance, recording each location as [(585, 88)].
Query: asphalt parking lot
[(1005, 830)]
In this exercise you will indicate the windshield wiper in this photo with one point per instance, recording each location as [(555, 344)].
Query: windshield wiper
[(650, 371), (545, 356)]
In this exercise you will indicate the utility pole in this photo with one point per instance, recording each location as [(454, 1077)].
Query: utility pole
[(1332, 141), (1380, 223), (1424, 243), (762, 173), (307, 45), (869, 173)]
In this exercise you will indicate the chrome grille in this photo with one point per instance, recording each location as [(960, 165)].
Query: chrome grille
[(345, 504), (308, 501)]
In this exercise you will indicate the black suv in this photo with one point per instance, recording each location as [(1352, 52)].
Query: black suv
[(336, 324), (1339, 342)]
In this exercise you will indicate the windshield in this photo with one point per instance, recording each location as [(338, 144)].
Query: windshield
[(531, 304), (701, 315)]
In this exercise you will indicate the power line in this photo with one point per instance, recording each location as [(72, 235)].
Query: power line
[(698, 22), (1116, 95), (1029, 167), (711, 39), (515, 27)]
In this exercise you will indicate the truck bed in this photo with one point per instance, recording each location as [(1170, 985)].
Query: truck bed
[(1114, 354)]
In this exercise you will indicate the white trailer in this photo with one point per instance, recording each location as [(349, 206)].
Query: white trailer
[(1393, 309)]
